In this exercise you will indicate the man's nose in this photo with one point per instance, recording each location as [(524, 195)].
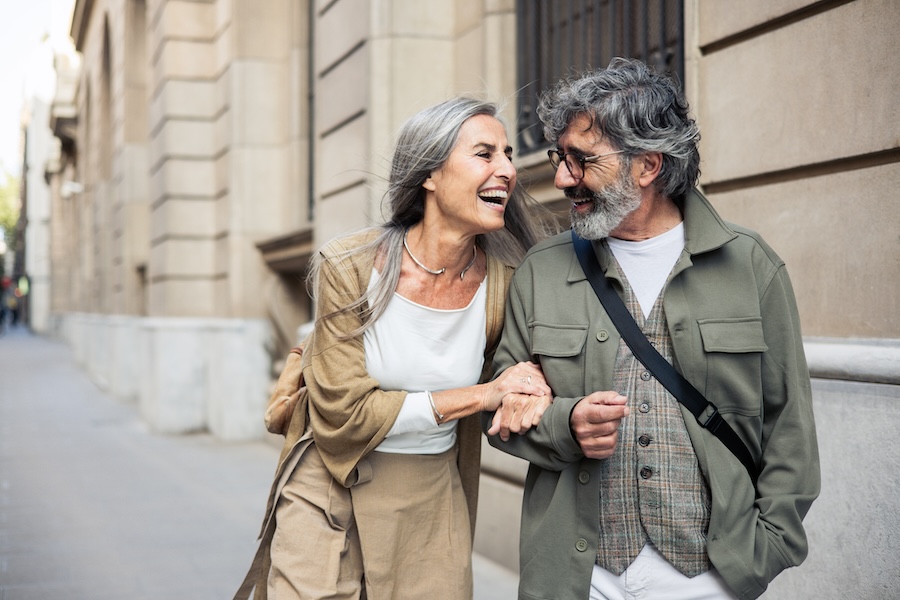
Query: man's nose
[(563, 178)]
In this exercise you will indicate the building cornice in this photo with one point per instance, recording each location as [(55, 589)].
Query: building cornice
[(80, 17), (849, 359)]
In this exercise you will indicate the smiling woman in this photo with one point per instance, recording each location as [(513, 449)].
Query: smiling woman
[(409, 316)]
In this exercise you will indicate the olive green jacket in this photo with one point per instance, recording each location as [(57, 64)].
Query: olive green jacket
[(735, 333)]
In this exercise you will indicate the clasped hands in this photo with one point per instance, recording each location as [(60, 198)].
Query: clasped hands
[(520, 395)]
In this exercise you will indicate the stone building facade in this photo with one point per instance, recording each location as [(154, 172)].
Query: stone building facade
[(208, 146)]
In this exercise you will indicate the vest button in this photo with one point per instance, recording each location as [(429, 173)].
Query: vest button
[(644, 407), (646, 375), (644, 440), (581, 545), (646, 472)]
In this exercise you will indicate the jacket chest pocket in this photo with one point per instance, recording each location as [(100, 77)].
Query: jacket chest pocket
[(734, 349), (560, 350)]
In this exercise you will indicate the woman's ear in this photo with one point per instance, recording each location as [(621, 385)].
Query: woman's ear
[(647, 167), (429, 184)]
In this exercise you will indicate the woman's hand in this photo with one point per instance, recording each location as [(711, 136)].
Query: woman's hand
[(518, 413), (524, 378)]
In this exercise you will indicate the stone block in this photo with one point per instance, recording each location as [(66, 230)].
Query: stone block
[(184, 138), (499, 6), (422, 72), (97, 349), (343, 92), (133, 127), (222, 138), (173, 380), (185, 59), (257, 190), (717, 20), (136, 233), (500, 62), (343, 157), (134, 169), (344, 213), (242, 286), (126, 358), (193, 297), (469, 58), (179, 217), (838, 235), (764, 109), (183, 177), (184, 257), (187, 20), (183, 99), (343, 26), (468, 15), (421, 19), (847, 557), (224, 48), (238, 378), (262, 29), (258, 94)]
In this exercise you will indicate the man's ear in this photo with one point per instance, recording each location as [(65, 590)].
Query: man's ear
[(429, 184), (647, 167)]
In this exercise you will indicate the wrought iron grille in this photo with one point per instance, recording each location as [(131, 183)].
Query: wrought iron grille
[(557, 38)]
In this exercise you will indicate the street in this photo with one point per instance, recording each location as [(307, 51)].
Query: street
[(94, 506)]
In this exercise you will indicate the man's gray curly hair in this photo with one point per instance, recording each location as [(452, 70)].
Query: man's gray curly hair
[(636, 110)]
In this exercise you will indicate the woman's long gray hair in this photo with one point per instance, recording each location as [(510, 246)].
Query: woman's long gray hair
[(636, 110), (424, 144)]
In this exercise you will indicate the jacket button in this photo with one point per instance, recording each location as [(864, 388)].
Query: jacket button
[(646, 472), (602, 335), (584, 477), (644, 407), (644, 440), (581, 545)]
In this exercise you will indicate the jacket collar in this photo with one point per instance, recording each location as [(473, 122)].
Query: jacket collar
[(704, 231)]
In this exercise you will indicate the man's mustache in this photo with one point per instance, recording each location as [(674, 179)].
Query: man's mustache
[(577, 193)]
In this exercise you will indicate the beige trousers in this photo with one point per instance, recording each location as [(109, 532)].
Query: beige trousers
[(401, 533)]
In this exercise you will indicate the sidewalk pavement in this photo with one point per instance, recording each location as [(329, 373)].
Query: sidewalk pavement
[(94, 506)]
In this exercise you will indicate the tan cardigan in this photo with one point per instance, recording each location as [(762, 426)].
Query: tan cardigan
[(349, 414)]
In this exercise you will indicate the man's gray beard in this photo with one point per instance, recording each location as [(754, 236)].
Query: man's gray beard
[(610, 207)]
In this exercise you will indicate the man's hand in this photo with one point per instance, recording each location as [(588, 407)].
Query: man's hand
[(595, 423)]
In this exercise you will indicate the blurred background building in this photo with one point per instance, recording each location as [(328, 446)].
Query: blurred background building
[(202, 149)]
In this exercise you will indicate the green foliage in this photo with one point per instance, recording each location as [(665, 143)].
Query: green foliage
[(9, 206)]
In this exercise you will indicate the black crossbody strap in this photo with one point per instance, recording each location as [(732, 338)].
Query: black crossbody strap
[(703, 410)]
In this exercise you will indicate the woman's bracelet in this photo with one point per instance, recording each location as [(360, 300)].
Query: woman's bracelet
[(434, 409)]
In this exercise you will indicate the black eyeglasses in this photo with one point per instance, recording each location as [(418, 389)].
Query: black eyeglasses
[(575, 163)]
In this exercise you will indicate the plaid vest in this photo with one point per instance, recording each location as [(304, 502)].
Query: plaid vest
[(651, 488)]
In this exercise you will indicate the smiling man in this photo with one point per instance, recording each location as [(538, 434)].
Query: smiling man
[(628, 494)]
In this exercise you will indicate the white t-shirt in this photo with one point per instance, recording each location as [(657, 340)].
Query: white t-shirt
[(647, 263), (416, 348)]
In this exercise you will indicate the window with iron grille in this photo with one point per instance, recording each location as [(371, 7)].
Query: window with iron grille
[(558, 38)]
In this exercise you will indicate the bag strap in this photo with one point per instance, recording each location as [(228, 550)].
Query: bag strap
[(704, 411)]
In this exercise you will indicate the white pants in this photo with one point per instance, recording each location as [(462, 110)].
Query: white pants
[(652, 577)]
